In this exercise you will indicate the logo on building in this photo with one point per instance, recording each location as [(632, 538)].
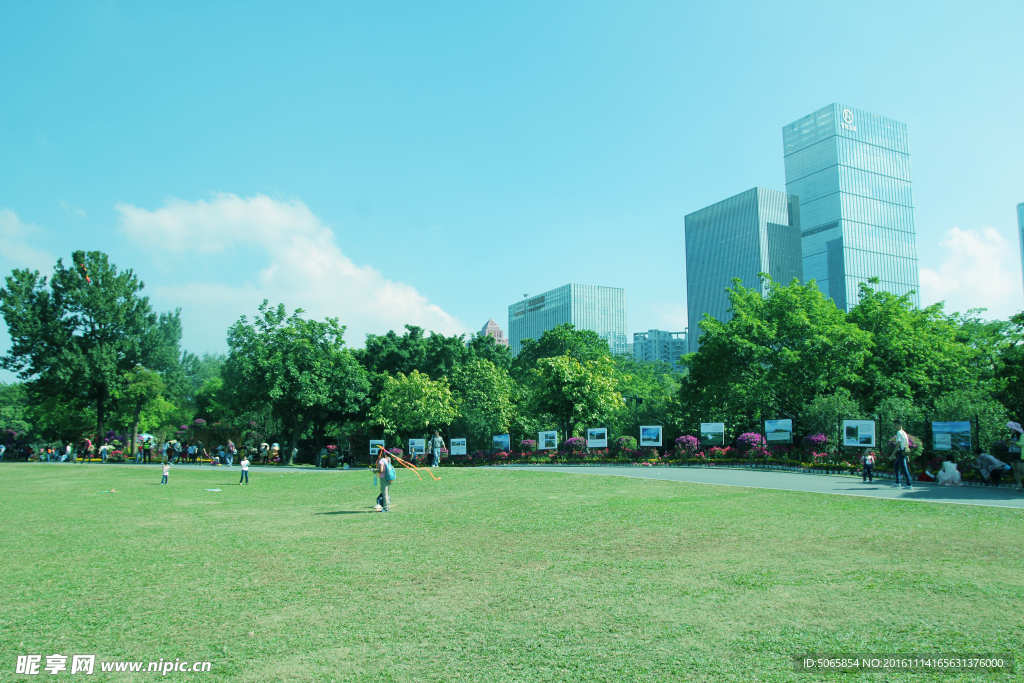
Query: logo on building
[(848, 121)]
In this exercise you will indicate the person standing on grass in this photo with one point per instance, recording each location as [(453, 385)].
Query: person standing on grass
[(245, 469), (383, 465), (436, 444), (167, 471), (868, 462), (902, 446)]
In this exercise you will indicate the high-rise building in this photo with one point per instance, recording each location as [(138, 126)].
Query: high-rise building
[(588, 307), (1020, 227), (851, 170), (491, 329), (757, 231), (655, 345)]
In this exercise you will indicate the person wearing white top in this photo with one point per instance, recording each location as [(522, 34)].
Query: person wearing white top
[(902, 446), (167, 471), (245, 470)]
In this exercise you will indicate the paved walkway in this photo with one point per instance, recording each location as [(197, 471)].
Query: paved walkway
[(812, 483)]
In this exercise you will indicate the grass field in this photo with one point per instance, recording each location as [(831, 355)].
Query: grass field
[(490, 575)]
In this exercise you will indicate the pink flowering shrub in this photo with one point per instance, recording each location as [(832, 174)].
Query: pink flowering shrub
[(687, 446)]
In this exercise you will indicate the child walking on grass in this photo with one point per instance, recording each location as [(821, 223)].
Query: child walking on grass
[(245, 469), (167, 471)]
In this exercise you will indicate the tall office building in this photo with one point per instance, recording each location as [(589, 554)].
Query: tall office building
[(757, 231), (491, 329), (658, 345), (1020, 227), (851, 170), (588, 307)]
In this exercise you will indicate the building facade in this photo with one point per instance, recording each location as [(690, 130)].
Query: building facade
[(1020, 228), (588, 307), (757, 231), (658, 345), (851, 170), (491, 329)]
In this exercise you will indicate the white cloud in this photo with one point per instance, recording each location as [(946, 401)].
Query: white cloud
[(982, 269), (72, 209), (303, 267), (16, 244)]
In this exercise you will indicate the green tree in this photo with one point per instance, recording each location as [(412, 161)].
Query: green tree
[(297, 367), (574, 392), (655, 385), (75, 337), (776, 354), (916, 353), (14, 409), (141, 389), (484, 399), (822, 415), (413, 403), (561, 340), (487, 348)]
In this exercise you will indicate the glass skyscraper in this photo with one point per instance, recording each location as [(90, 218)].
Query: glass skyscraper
[(588, 307), (851, 170), (757, 231)]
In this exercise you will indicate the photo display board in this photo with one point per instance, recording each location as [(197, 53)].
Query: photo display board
[(375, 445), (547, 441), (458, 446), (597, 437), (417, 446), (712, 433), (650, 435), (859, 433), (501, 442), (778, 431), (951, 436)]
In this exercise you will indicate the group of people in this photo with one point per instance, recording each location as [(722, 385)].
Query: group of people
[(988, 466), (165, 475)]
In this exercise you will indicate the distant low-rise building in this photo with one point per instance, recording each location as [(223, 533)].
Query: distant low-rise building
[(658, 345), (491, 329)]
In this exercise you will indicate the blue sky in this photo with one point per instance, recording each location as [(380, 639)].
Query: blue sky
[(432, 162)]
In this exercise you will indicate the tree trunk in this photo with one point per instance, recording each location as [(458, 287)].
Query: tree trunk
[(100, 416), (286, 458), (135, 429)]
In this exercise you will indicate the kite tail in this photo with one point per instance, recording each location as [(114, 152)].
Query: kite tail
[(417, 470)]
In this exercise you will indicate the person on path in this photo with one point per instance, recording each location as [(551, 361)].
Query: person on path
[(231, 453), (245, 470), (138, 454), (67, 453), (991, 469), (167, 471), (867, 461), (383, 463), (2, 449), (901, 447), (103, 452), (147, 448), (190, 454), (436, 444), (1016, 456)]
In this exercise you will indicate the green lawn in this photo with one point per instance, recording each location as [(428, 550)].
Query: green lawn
[(490, 575)]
